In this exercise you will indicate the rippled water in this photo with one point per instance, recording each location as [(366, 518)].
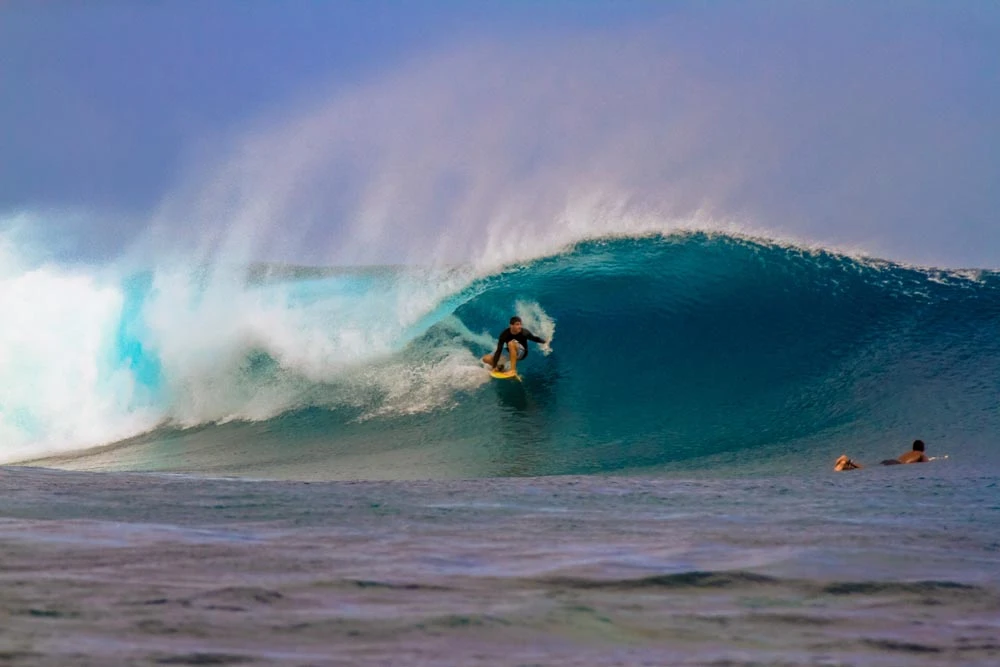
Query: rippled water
[(876, 567)]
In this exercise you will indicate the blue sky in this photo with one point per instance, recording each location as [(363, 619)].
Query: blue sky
[(102, 95), (364, 127)]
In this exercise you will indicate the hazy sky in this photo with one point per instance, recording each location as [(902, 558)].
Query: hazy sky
[(388, 131)]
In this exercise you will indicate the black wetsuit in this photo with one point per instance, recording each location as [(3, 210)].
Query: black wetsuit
[(506, 336)]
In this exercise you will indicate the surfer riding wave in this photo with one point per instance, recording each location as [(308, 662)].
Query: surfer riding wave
[(515, 338)]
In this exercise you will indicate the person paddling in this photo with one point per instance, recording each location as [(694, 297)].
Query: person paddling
[(915, 455)]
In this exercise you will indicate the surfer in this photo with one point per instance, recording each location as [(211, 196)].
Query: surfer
[(916, 455), (845, 463), (515, 338)]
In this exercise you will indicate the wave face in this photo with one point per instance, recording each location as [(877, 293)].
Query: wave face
[(686, 351)]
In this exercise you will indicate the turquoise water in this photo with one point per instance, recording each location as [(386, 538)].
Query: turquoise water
[(691, 353)]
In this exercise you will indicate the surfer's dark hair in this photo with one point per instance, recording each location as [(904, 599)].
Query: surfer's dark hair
[(918, 445), (515, 320)]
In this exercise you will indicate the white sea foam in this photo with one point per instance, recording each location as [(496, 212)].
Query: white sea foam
[(78, 367), (538, 322), (61, 383)]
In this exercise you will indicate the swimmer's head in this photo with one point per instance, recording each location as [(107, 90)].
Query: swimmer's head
[(918, 445), (843, 463)]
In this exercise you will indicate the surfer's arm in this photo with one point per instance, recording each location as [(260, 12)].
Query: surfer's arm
[(496, 355), (532, 337)]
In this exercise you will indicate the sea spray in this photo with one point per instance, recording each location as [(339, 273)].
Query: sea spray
[(537, 321)]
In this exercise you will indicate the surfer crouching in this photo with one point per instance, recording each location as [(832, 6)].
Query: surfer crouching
[(515, 338)]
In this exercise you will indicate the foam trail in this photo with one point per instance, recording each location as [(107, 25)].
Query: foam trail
[(235, 351)]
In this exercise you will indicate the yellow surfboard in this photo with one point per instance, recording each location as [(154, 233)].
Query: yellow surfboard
[(505, 375)]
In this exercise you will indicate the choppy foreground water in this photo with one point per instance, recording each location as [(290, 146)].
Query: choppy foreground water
[(876, 567)]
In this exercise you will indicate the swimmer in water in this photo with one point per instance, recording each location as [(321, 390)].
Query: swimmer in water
[(845, 463), (915, 455)]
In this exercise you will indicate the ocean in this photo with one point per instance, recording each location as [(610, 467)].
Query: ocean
[(275, 464)]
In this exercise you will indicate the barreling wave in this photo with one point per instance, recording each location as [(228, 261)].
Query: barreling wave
[(691, 349)]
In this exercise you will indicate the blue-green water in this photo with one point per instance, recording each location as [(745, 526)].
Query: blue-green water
[(692, 353)]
